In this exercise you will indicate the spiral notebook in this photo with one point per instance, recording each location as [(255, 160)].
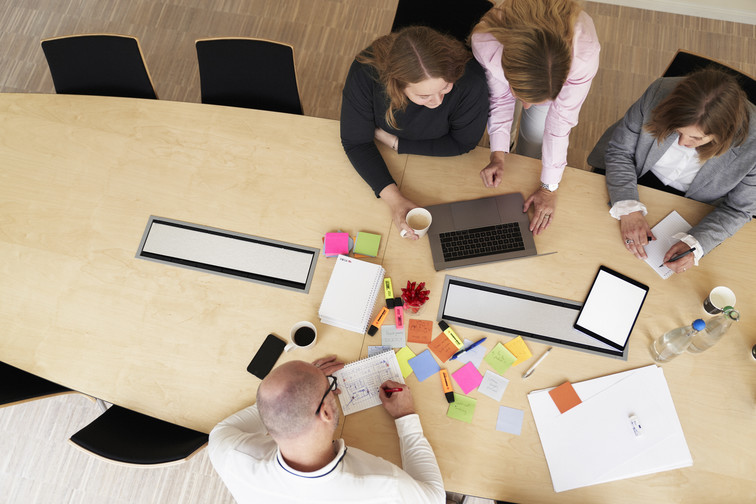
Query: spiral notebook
[(359, 381), (351, 293)]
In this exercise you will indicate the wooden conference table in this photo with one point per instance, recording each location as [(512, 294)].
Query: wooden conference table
[(80, 177)]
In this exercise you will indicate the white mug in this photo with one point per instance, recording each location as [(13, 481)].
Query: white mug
[(419, 219), (303, 335), (718, 298)]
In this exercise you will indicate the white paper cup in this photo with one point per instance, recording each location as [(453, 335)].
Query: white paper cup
[(303, 335), (718, 298), (419, 219)]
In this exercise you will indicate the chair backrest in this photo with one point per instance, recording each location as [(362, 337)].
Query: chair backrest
[(453, 17), (105, 65), (124, 436), (17, 386), (249, 73), (686, 62)]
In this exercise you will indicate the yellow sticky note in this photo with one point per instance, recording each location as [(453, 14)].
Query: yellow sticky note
[(404, 355), (519, 349)]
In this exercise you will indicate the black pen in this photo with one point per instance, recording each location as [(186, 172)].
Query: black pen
[(679, 256)]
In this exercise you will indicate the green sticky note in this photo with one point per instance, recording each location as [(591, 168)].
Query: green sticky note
[(500, 358), (367, 244), (404, 355), (462, 408)]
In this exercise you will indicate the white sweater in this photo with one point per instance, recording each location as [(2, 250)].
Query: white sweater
[(251, 466)]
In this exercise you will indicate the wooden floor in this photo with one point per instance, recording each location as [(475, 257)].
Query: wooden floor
[(36, 464), (636, 45)]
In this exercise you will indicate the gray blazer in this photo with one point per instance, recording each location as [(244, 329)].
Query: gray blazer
[(727, 181)]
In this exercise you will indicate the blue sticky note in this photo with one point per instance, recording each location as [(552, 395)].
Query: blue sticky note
[(510, 420), (424, 365)]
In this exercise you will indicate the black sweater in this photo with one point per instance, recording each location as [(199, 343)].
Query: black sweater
[(452, 128)]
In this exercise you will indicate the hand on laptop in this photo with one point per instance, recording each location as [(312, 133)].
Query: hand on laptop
[(544, 204)]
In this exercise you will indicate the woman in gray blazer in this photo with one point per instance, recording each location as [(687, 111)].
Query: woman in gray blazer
[(695, 136)]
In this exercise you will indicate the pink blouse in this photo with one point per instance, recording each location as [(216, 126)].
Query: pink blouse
[(563, 112)]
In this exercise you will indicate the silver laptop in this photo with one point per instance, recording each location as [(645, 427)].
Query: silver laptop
[(464, 233)]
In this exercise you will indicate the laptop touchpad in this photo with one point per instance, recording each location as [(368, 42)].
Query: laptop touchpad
[(475, 213)]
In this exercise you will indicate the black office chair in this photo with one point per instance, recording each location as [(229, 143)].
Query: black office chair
[(452, 17), (124, 436), (18, 386), (683, 63), (104, 65), (249, 73)]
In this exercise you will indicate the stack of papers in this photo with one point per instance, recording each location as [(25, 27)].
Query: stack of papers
[(625, 426), (351, 293)]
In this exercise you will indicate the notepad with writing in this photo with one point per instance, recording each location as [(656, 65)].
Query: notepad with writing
[(360, 381), (664, 231), (351, 293)]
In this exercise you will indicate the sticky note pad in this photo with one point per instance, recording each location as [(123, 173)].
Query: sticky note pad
[(335, 244), (565, 397), (519, 349), (467, 377), (443, 347), (500, 358), (420, 331), (424, 365), (375, 350), (403, 356), (493, 385), (392, 336), (367, 244), (475, 355), (462, 408), (510, 420)]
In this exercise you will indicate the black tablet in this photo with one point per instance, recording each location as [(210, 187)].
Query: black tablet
[(611, 308)]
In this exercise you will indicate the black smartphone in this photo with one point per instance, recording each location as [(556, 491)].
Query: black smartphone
[(266, 356)]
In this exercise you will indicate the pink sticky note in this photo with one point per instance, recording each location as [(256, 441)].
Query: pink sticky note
[(335, 244), (467, 377)]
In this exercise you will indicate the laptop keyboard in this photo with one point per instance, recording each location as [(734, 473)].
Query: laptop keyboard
[(482, 241)]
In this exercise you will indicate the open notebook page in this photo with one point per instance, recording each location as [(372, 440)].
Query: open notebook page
[(664, 231)]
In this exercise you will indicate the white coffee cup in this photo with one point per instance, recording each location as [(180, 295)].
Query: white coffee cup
[(303, 335), (419, 219), (718, 298)]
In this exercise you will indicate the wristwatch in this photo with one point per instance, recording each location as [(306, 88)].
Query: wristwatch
[(550, 187)]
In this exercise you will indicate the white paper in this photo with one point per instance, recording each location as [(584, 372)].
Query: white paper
[(493, 385), (392, 336), (510, 420), (594, 441), (664, 231)]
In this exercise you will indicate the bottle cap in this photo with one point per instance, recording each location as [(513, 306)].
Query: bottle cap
[(699, 325)]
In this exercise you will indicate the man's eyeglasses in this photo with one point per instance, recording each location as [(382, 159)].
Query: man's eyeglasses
[(331, 388)]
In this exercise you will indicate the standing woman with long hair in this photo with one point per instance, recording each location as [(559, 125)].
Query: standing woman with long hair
[(544, 53), (418, 92)]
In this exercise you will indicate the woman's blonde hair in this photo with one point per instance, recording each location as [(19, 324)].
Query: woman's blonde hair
[(537, 40), (412, 55), (709, 99)]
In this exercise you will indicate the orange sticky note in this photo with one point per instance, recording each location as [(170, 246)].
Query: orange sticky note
[(565, 397), (420, 331), (519, 349), (443, 347)]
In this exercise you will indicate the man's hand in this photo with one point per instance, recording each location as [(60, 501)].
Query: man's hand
[(328, 365), (682, 264), (492, 173), (400, 403), (544, 205), (635, 233)]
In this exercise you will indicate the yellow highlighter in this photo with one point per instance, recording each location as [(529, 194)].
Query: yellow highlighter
[(446, 384), (450, 333)]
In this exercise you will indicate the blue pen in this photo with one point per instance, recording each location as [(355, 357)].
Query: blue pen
[(468, 348)]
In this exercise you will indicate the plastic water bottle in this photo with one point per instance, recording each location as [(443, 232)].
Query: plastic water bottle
[(674, 342), (715, 329)]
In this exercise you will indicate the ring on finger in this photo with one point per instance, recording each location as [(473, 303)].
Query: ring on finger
[(628, 241)]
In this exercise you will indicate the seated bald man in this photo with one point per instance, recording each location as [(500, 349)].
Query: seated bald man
[(281, 449)]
